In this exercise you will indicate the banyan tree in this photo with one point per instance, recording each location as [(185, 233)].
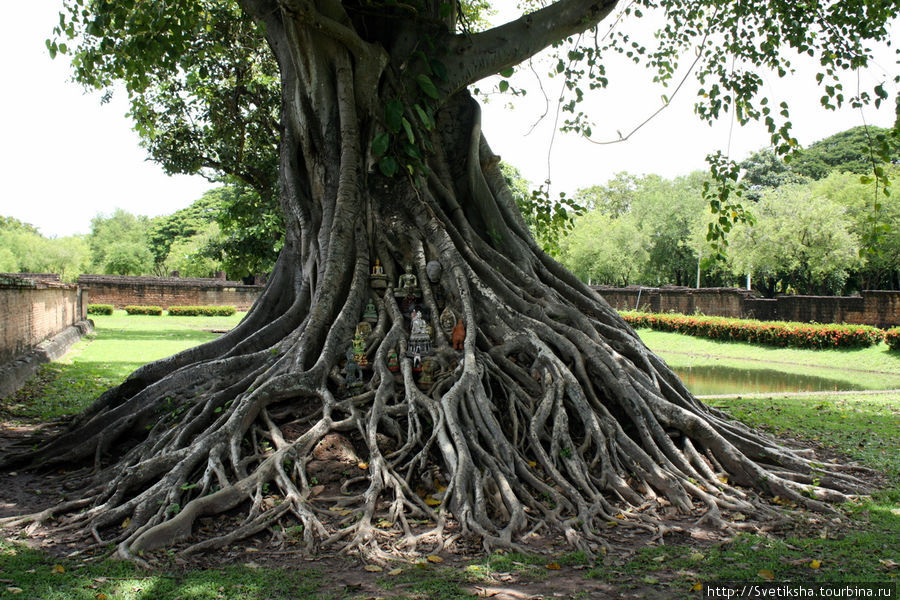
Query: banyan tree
[(547, 414)]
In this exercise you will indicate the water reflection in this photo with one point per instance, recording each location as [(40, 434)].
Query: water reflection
[(713, 379)]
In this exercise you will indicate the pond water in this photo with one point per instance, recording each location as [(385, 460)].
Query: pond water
[(714, 379)]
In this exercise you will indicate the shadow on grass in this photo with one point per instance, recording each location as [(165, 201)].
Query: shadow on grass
[(196, 336), (34, 574)]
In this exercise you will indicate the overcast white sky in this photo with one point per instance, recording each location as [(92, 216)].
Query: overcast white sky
[(64, 157)]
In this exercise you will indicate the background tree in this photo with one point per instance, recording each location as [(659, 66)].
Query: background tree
[(603, 250), (554, 415), (24, 250), (851, 151), (801, 242), (119, 244)]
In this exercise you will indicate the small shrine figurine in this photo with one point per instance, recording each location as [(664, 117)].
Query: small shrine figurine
[(370, 315), (417, 363), (447, 321), (407, 284), (393, 363), (353, 378), (377, 279), (434, 269), (459, 335), (426, 379), (364, 328), (359, 349), (419, 338)]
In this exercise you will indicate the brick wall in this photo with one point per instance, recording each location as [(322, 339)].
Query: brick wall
[(120, 291), (32, 311), (878, 308)]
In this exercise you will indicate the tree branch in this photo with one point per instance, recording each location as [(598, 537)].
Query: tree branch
[(475, 56)]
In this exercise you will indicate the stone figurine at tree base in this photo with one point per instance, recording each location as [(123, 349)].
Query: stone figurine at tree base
[(377, 279)]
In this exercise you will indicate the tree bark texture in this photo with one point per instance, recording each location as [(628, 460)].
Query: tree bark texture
[(553, 416)]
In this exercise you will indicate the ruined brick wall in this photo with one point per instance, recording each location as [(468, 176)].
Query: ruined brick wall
[(32, 311), (878, 308), (120, 291)]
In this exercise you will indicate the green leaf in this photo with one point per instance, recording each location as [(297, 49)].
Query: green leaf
[(407, 127), (388, 166), (507, 72), (380, 144), (439, 69), (504, 85), (426, 120), (412, 150), (427, 86), (393, 115)]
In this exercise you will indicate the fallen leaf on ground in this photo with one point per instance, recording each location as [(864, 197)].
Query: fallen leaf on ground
[(815, 564), (395, 572), (554, 566), (373, 569), (433, 558), (697, 587), (766, 574), (59, 569)]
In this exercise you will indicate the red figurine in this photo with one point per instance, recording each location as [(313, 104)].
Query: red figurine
[(459, 335)]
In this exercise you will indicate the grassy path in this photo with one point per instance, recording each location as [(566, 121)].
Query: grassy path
[(120, 344)]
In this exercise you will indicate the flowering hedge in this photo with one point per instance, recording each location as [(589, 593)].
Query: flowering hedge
[(892, 337), (144, 310), (772, 333), (206, 311)]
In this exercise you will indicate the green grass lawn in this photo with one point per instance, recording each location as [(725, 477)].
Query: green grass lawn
[(860, 543), (120, 344)]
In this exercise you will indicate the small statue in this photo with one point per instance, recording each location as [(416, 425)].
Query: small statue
[(371, 314), (364, 329), (433, 269), (353, 378), (393, 363), (426, 379), (407, 284), (377, 279), (447, 320), (417, 362), (418, 325), (459, 335), (359, 348), (419, 338)]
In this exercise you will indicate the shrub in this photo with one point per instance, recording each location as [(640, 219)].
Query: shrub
[(771, 333), (144, 310), (892, 337), (100, 309), (206, 311)]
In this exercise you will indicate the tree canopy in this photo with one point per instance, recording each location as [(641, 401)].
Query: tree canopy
[(204, 87)]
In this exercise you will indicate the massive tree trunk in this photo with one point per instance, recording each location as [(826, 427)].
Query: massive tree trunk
[(551, 414)]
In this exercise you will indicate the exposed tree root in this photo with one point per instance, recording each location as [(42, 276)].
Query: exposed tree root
[(552, 418)]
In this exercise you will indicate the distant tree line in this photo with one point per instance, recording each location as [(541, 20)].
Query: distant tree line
[(821, 225), (228, 229)]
